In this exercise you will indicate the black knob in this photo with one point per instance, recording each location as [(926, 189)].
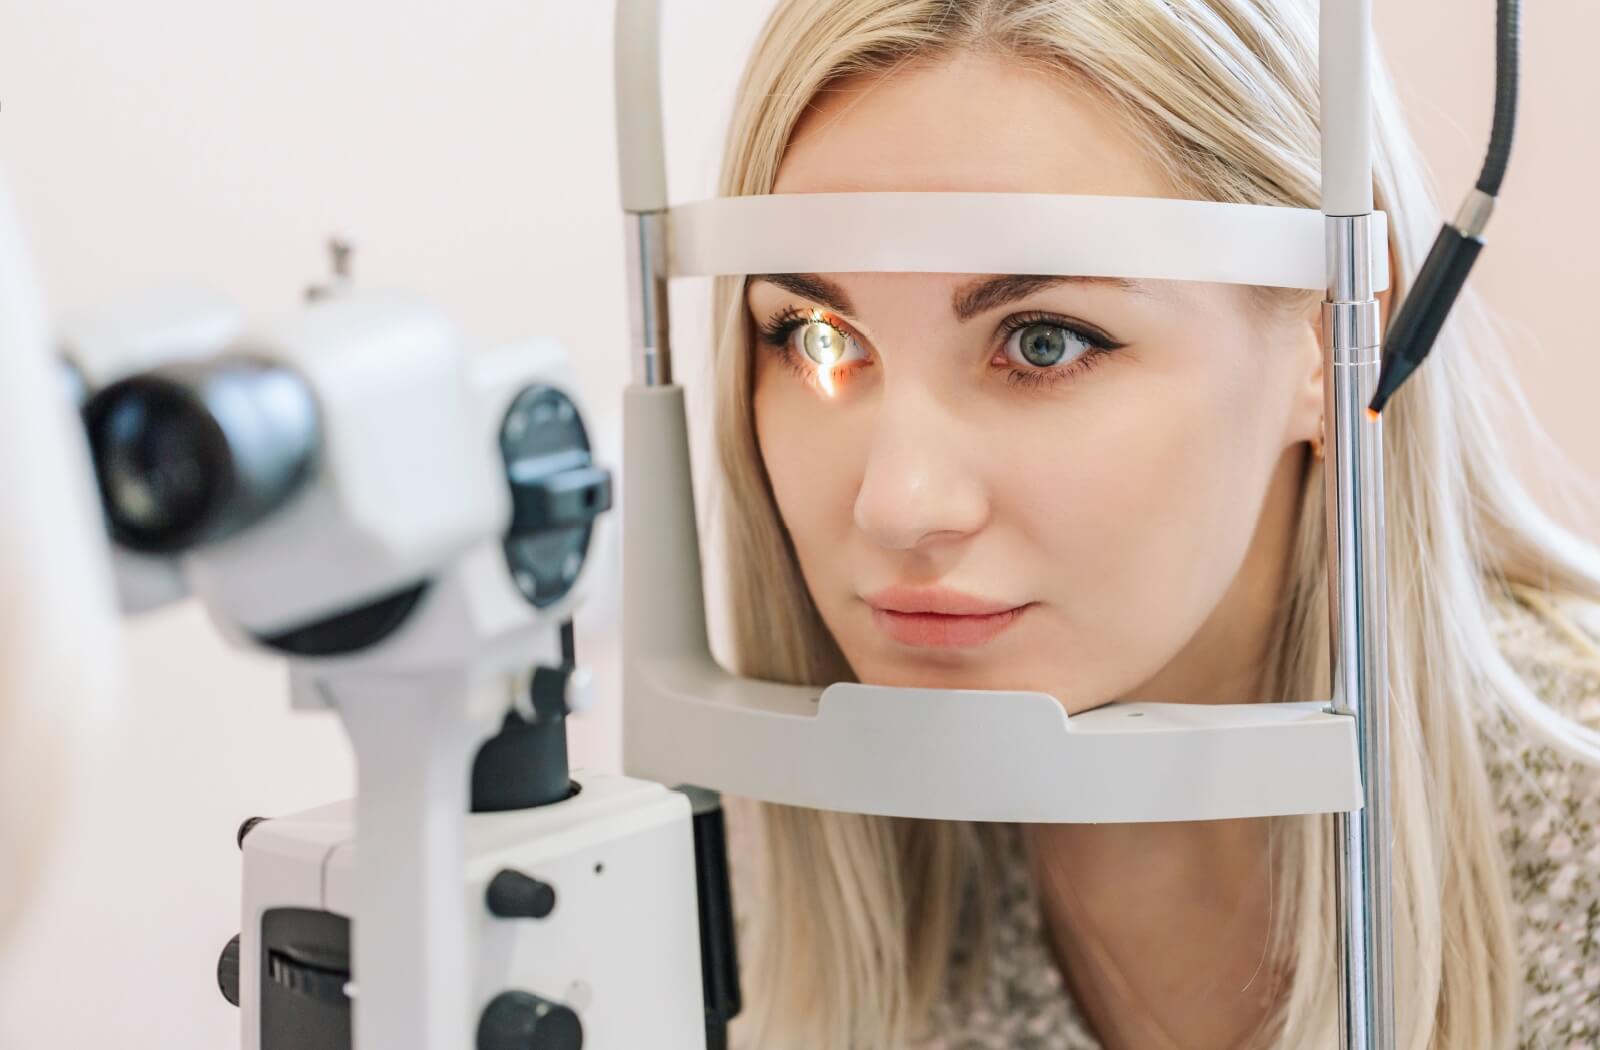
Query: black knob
[(228, 971), (513, 895), (520, 1021)]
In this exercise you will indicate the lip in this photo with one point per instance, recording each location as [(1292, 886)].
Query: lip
[(940, 618)]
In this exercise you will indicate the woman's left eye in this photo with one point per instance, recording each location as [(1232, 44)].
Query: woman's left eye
[(1042, 349), (1045, 345)]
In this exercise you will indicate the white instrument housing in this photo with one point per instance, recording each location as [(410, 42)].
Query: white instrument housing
[(620, 948)]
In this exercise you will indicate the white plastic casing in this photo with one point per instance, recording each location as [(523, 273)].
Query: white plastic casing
[(407, 475), (153, 327), (621, 947), (641, 155), (1150, 238), (1345, 69)]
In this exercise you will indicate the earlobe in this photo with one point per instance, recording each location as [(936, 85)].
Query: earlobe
[(1307, 425)]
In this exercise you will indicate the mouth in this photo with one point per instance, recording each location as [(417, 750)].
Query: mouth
[(938, 618)]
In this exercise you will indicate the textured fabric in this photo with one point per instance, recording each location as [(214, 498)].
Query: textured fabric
[(1025, 1004), (1549, 823)]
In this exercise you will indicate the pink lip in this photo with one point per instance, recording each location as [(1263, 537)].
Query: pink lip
[(936, 617)]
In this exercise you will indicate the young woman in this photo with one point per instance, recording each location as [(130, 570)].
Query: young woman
[(1108, 490)]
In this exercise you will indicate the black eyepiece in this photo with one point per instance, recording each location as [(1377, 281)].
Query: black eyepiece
[(194, 453)]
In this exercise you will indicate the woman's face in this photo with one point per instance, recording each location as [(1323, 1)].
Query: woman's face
[(1082, 487)]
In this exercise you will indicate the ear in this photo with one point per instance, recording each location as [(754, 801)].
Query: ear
[(1305, 415)]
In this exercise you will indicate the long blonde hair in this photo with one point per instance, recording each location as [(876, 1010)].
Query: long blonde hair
[(851, 932)]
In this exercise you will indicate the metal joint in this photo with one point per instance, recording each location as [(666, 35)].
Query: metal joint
[(1474, 214), (1349, 258), (1352, 331)]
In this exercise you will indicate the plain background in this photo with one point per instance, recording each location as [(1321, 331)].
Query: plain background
[(466, 150)]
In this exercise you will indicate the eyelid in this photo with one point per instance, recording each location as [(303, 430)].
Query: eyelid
[(1093, 334), (791, 317)]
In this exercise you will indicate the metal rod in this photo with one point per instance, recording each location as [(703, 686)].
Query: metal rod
[(1353, 475), (647, 299)]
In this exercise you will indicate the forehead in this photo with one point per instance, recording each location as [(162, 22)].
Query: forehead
[(970, 122)]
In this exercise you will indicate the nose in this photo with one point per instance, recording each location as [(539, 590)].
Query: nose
[(919, 487)]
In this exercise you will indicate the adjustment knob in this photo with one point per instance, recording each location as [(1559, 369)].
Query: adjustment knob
[(580, 691), (513, 895), (556, 692), (521, 1021), (228, 971)]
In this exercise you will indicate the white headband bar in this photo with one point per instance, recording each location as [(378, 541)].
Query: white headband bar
[(1150, 238)]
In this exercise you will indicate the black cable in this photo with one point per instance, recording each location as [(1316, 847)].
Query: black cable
[(1507, 52), (1443, 274), (569, 644)]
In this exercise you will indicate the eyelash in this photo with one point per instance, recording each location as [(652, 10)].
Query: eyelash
[(778, 329)]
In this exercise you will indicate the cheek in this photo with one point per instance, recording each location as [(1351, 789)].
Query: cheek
[(1125, 504), (1142, 506), (806, 447)]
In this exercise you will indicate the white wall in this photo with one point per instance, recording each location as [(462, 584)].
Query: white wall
[(1540, 265), (466, 150)]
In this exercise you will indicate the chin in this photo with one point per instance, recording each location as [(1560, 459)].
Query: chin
[(938, 669)]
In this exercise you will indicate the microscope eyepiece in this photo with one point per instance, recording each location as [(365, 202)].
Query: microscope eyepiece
[(194, 453)]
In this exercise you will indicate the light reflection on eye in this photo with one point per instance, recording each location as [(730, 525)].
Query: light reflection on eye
[(826, 346)]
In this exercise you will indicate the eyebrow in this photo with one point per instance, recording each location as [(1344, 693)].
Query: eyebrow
[(819, 290), (987, 293), (970, 299)]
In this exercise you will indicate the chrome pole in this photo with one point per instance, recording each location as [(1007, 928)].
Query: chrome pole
[(1353, 477), (642, 174), (647, 297)]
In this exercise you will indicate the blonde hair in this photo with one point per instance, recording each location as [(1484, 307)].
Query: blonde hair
[(851, 933)]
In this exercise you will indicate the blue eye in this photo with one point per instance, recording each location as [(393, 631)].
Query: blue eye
[(1044, 345)]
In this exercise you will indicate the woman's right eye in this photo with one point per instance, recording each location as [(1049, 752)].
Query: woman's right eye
[(824, 344), (814, 346)]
